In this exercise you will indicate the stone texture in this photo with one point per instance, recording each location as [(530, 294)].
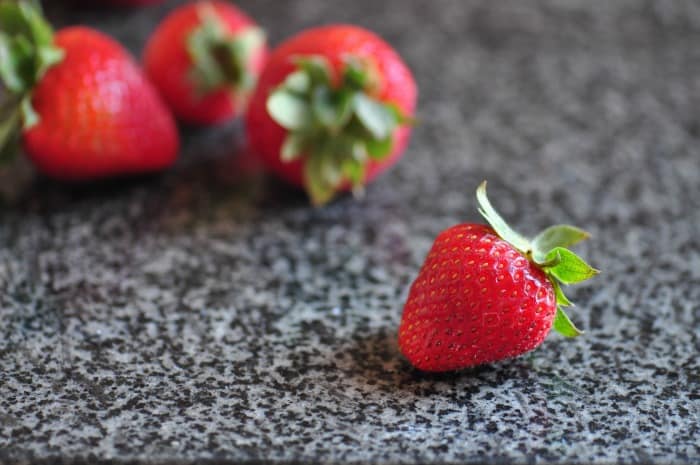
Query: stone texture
[(210, 314)]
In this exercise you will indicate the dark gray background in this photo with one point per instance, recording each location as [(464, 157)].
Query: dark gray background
[(209, 313)]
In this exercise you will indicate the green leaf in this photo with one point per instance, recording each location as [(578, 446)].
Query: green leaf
[(498, 223), (331, 170), (317, 187), (562, 300), (564, 326), (26, 45), (12, 19), (244, 46), (316, 67), (9, 131), (335, 126), (556, 236), (323, 106), (354, 171), (293, 147), (550, 262), (571, 268), (332, 109), (9, 66), (374, 116), (204, 47), (41, 30), (359, 151), (298, 82), (344, 106), (36, 4), (24, 17), (47, 57), (341, 146), (289, 110), (379, 149), (16, 63), (399, 116), (249, 41), (219, 58), (29, 117), (355, 76)]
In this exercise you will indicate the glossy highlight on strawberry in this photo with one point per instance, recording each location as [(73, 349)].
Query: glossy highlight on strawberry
[(485, 293)]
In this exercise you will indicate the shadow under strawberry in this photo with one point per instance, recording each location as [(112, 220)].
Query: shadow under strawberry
[(372, 360), (34, 192), (201, 181)]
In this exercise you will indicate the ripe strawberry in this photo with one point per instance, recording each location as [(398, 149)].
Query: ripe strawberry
[(486, 293), (331, 110), (86, 108), (205, 58)]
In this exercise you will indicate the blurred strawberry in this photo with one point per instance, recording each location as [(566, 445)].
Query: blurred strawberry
[(205, 58), (332, 110), (77, 101)]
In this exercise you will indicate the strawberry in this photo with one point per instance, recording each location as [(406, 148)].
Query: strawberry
[(486, 293), (331, 110), (86, 109), (204, 58)]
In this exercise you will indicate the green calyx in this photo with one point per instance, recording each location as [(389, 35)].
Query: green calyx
[(334, 127), (549, 251), (27, 51), (221, 60)]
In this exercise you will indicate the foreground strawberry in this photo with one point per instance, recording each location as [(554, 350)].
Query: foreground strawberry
[(205, 58), (332, 110), (486, 293), (85, 108)]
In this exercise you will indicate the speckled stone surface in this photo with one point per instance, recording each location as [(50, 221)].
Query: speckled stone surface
[(209, 314)]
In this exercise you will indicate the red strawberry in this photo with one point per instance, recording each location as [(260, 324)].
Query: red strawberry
[(485, 293), (204, 58), (87, 110), (331, 110)]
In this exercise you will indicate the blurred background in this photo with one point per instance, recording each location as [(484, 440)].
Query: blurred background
[(544, 86)]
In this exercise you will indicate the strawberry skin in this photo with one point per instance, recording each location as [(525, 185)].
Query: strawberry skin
[(476, 300), (170, 65), (98, 115), (335, 42)]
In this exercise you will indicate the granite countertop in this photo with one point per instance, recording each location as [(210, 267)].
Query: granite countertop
[(209, 314)]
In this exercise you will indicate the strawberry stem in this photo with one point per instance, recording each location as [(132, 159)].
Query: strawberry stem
[(221, 59), (548, 251), (27, 52), (499, 224)]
